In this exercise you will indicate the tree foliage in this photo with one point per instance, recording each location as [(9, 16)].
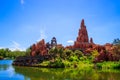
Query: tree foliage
[(116, 41), (8, 54)]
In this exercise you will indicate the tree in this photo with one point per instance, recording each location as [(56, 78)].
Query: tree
[(2, 52), (116, 41), (28, 50), (116, 49), (78, 53), (94, 55), (6, 53), (67, 53)]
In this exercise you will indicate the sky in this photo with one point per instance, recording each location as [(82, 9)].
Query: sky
[(24, 22)]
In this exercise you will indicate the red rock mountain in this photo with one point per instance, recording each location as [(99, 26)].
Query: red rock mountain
[(42, 48), (82, 40), (38, 48)]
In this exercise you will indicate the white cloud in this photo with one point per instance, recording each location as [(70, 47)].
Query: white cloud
[(70, 41), (22, 2), (42, 35), (16, 46)]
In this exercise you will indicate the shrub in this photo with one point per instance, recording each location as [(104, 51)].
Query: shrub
[(108, 65), (57, 63), (95, 53), (78, 53), (73, 58), (67, 63)]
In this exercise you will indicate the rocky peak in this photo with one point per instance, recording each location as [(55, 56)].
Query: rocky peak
[(82, 34), (82, 40), (91, 40)]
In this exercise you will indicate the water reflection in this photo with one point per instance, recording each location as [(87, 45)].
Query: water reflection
[(4, 67), (8, 72), (67, 74)]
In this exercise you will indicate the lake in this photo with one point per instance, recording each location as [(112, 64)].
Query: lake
[(9, 72)]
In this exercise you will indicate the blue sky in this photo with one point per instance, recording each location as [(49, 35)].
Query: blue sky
[(24, 22)]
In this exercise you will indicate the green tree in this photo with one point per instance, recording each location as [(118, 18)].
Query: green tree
[(94, 54), (54, 52), (6, 53), (78, 53), (67, 53), (3, 52), (60, 51), (28, 50)]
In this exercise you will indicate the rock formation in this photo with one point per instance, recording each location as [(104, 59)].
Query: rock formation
[(39, 48), (82, 40), (91, 40), (82, 43), (39, 51), (42, 48)]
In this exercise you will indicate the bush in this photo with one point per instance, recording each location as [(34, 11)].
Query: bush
[(67, 53), (78, 53), (73, 58), (67, 63), (95, 53), (57, 63)]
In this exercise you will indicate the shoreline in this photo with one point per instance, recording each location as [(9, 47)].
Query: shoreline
[(102, 66)]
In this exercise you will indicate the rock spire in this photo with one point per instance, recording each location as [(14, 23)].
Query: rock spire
[(82, 40)]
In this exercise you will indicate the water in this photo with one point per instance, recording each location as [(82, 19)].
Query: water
[(9, 72)]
